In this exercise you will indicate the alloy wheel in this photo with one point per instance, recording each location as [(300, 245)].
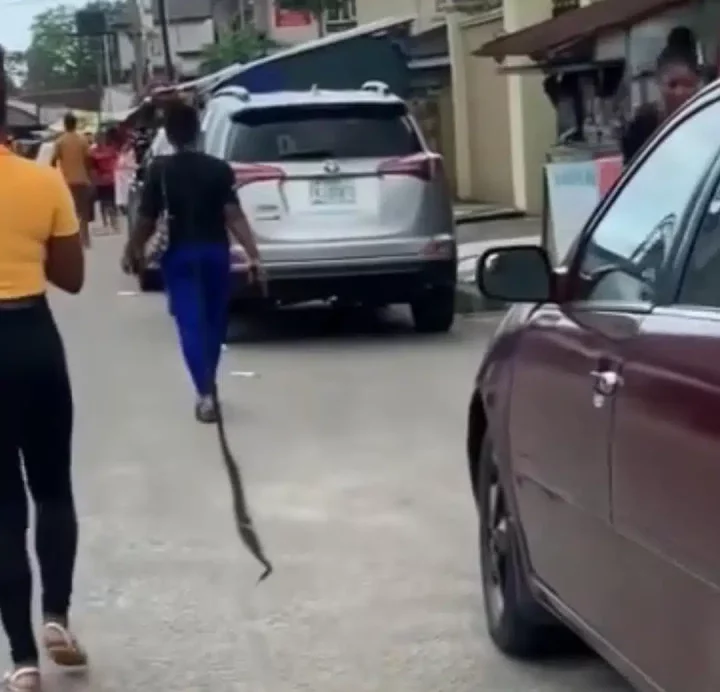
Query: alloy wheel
[(497, 547)]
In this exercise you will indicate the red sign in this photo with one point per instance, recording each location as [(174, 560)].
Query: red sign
[(291, 18), (609, 170)]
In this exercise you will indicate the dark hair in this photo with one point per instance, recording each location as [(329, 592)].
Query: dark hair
[(70, 122), (674, 55), (682, 38), (3, 89), (182, 124)]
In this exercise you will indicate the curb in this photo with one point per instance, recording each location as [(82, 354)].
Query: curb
[(468, 301), (494, 215)]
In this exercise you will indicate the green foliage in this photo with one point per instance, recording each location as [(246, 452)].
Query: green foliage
[(57, 58), (240, 46)]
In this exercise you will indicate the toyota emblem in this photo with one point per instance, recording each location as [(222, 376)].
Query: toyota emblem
[(331, 167)]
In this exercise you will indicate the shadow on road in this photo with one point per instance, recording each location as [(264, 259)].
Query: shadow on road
[(318, 322)]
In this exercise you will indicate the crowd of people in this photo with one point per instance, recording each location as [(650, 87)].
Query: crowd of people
[(99, 170)]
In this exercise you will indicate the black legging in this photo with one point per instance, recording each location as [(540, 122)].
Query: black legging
[(36, 420)]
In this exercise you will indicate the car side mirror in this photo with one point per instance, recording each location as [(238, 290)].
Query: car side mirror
[(516, 274)]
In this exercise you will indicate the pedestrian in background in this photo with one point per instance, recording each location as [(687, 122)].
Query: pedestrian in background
[(197, 194), (72, 155), (103, 160), (678, 79), (125, 169), (39, 244)]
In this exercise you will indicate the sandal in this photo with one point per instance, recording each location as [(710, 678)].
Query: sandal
[(63, 648), (205, 411), (25, 679)]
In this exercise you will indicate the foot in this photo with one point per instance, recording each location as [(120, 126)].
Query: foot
[(205, 410), (62, 646), (24, 678)]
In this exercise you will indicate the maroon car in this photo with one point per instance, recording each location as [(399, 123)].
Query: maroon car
[(594, 426)]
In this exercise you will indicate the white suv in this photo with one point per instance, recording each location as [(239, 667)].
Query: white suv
[(345, 198)]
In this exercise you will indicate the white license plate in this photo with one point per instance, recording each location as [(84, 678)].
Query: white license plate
[(338, 192)]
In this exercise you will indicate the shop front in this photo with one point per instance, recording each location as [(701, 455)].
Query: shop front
[(596, 67)]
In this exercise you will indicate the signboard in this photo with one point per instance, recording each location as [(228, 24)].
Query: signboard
[(292, 18), (574, 189)]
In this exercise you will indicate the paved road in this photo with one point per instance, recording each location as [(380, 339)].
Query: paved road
[(351, 438)]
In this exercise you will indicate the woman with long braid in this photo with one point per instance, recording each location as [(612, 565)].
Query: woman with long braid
[(39, 244)]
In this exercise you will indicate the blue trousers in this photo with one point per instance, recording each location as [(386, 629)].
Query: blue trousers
[(197, 281)]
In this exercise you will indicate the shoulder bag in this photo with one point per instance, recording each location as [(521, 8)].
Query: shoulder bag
[(158, 243)]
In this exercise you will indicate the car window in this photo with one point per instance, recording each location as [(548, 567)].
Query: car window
[(629, 248), (341, 132), (701, 281)]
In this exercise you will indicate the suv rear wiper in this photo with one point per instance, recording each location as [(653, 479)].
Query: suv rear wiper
[(309, 154)]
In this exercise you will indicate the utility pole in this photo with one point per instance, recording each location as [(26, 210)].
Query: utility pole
[(139, 48), (164, 32)]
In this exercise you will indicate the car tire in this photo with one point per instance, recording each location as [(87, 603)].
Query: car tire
[(150, 281), (434, 313), (518, 625)]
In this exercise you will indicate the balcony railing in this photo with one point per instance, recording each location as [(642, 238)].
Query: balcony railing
[(470, 6)]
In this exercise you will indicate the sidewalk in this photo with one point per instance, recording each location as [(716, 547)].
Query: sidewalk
[(471, 212)]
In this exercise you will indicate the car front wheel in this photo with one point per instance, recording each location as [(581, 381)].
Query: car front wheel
[(517, 624), (434, 312)]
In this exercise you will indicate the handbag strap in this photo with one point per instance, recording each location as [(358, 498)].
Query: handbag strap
[(163, 188)]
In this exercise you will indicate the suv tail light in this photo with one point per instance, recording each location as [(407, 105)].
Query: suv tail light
[(245, 174), (423, 166)]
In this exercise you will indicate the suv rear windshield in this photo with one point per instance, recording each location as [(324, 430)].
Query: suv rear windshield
[(300, 133)]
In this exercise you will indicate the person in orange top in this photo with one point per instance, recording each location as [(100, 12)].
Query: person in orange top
[(39, 244), (72, 156)]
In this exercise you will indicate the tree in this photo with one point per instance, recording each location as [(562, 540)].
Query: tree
[(59, 59), (239, 46), (318, 9)]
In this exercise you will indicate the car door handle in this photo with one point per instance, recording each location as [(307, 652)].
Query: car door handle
[(606, 381)]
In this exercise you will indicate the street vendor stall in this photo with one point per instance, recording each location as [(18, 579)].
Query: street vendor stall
[(598, 64)]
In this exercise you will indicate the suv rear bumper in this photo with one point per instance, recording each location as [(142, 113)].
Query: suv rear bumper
[(382, 283)]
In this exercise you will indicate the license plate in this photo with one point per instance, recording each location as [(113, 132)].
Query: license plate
[(338, 192)]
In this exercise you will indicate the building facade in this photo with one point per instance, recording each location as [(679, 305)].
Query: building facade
[(504, 123)]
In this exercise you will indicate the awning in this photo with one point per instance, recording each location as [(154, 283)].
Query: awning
[(570, 27)]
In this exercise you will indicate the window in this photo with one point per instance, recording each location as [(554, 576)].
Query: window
[(343, 15), (629, 248), (317, 133)]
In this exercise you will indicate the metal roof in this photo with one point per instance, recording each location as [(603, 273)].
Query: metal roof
[(572, 27), (377, 28)]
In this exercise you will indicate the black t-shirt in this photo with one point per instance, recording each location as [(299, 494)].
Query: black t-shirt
[(198, 188), (639, 130)]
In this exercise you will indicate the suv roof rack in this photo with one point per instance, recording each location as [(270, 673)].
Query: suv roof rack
[(238, 92), (377, 86)]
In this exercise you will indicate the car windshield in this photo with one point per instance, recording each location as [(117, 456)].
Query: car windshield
[(341, 132)]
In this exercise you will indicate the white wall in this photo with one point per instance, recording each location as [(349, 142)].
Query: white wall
[(184, 36), (428, 12)]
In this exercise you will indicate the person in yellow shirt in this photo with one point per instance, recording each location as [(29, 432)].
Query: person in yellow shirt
[(39, 244), (72, 156)]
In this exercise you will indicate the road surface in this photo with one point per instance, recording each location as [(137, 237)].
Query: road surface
[(351, 438)]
